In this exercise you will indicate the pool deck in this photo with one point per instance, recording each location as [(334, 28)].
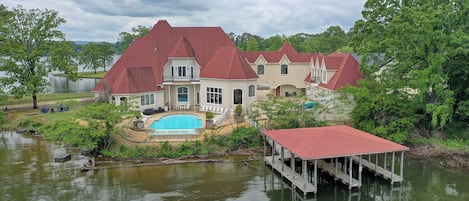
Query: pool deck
[(143, 137)]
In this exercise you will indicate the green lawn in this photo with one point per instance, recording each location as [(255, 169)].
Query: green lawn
[(91, 74), (47, 97)]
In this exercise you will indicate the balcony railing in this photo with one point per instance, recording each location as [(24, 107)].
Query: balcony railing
[(181, 79)]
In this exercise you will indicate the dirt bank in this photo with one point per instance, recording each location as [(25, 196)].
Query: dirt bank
[(447, 158)]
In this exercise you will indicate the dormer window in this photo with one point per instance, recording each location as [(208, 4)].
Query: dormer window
[(284, 69), (260, 69), (181, 71)]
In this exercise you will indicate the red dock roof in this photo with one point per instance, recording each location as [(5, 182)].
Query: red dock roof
[(331, 142)]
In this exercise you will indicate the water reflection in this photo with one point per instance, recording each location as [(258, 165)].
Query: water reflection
[(64, 85), (28, 172)]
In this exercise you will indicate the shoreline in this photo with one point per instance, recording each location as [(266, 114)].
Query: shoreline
[(447, 158)]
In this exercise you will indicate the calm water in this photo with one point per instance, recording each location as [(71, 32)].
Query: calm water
[(177, 121), (27, 172)]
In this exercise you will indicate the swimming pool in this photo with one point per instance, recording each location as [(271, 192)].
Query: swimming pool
[(176, 124)]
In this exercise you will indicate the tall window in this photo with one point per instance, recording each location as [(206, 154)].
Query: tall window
[(260, 69), (237, 96), (183, 94), (181, 71), (284, 69), (214, 95), (252, 90), (147, 99)]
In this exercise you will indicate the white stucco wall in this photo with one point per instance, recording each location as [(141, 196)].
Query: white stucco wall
[(227, 86)]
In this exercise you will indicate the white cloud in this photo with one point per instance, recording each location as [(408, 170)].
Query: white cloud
[(103, 20)]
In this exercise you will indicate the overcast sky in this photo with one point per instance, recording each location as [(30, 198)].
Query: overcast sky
[(103, 20)]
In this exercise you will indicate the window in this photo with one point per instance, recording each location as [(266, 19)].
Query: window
[(147, 99), (252, 90), (284, 69), (214, 95), (192, 72), (172, 71), (181, 71), (113, 100), (183, 94), (237, 96), (324, 76), (260, 69)]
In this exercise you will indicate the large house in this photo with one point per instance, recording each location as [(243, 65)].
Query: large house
[(200, 67)]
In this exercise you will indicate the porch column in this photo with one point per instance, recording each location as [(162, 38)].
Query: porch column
[(169, 98), (195, 97)]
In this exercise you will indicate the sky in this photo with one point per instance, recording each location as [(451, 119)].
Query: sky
[(103, 20)]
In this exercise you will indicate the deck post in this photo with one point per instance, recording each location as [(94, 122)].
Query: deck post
[(169, 97), (392, 166), (376, 164), (350, 174), (316, 173), (292, 161), (385, 161), (273, 151), (265, 144), (360, 168), (369, 157), (336, 166), (402, 165), (344, 167), (282, 156), (305, 174)]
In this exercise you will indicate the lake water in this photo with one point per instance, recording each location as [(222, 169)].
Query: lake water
[(28, 172), (63, 85)]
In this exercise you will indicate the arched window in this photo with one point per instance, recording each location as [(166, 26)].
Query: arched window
[(252, 90), (183, 94), (237, 96)]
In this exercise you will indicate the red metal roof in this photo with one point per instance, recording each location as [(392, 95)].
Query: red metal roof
[(331, 142), (276, 56), (227, 63), (347, 71), (154, 49)]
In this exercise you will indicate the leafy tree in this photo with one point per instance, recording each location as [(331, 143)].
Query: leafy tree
[(283, 113), (92, 128), (27, 39), (411, 49), (327, 42), (126, 38), (272, 44), (95, 55), (252, 44)]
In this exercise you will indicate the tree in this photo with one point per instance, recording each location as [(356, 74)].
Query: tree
[(92, 127), (95, 55), (252, 44), (283, 113), (29, 37), (411, 48), (126, 38)]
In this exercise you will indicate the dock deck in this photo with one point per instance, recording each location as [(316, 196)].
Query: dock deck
[(378, 170), (293, 177), (339, 174)]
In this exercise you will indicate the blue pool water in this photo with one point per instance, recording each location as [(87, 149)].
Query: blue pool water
[(177, 122)]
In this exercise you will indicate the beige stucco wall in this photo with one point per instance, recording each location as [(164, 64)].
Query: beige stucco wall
[(273, 78), (134, 99), (227, 86)]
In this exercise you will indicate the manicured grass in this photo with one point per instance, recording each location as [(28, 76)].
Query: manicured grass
[(88, 74), (47, 97)]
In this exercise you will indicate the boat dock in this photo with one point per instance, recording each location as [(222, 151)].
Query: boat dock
[(337, 150)]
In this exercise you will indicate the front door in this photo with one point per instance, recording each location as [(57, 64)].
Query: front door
[(277, 91)]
